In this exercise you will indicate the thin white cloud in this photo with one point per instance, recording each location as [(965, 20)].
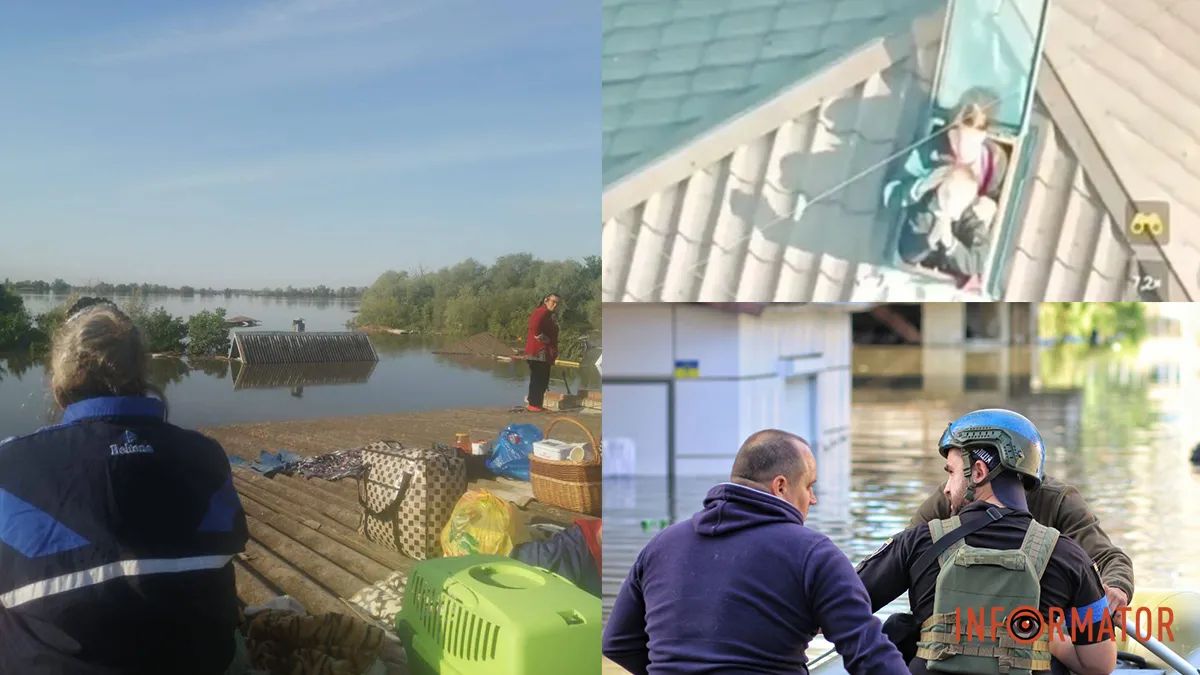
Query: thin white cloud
[(289, 43), (316, 165), (274, 22)]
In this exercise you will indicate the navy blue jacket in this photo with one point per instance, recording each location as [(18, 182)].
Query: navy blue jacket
[(743, 587), (117, 532)]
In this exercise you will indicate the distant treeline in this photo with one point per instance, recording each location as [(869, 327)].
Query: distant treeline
[(204, 333), (460, 300), (60, 287), (470, 298)]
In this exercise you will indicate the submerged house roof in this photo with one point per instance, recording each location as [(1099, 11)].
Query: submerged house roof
[(722, 117), (276, 347)]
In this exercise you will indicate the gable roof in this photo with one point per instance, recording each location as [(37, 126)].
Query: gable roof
[(1086, 171), (673, 70), (1133, 71)]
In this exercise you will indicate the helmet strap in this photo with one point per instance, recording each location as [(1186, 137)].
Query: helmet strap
[(969, 496)]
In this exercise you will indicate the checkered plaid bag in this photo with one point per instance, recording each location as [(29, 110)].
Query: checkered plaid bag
[(407, 495)]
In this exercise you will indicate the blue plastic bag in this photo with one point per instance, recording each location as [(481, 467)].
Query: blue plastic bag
[(510, 453)]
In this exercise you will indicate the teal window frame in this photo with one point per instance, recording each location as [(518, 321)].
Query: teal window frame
[(991, 49)]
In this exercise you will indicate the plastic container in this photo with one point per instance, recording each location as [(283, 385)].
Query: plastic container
[(478, 615), (462, 441), (559, 451)]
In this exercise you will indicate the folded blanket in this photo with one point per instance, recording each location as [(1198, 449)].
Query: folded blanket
[(333, 465), (285, 643)]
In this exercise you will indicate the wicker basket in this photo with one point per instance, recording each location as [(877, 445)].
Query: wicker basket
[(574, 486)]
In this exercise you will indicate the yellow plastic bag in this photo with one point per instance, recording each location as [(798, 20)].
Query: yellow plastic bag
[(480, 523)]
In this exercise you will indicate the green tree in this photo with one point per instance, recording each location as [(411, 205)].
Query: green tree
[(161, 331), (1104, 322), (49, 321), (469, 297), (207, 334), (15, 324), (60, 287)]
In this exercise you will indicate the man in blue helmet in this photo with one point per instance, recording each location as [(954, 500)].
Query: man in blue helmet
[(988, 560), (1059, 505)]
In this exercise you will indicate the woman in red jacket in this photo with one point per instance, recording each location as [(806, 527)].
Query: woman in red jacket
[(541, 349)]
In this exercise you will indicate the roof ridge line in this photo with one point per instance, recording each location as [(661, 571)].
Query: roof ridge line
[(874, 56), (1090, 155)]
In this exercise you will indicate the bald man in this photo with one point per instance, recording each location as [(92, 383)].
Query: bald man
[(743, 586)]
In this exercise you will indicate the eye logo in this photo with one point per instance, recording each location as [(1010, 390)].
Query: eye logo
[(1024, 625)]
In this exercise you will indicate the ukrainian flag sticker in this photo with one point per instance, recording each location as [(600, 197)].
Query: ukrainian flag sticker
[(687, 370)]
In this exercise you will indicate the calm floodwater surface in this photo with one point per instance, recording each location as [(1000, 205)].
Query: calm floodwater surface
[(201, 393), (1120, 432)]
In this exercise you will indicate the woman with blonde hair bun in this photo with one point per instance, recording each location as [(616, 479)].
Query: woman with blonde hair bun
[(118, 527)]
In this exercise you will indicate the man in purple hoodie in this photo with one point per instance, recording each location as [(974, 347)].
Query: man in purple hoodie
[(744, 585)]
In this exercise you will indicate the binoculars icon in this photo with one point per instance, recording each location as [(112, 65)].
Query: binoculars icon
[(1147, 224)]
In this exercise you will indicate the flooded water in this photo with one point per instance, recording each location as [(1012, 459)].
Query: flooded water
[(1119, 426), (409, 376), (274, 313)]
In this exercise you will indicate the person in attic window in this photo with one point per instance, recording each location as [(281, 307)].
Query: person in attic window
[(950, 156)]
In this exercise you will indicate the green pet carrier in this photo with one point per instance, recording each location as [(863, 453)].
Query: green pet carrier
[(485, 614)]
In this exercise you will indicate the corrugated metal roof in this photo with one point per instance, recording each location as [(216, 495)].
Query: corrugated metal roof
[(671, 70), (722, 232), (264, 346)]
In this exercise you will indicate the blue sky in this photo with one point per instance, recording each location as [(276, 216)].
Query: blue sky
[(219, 143)]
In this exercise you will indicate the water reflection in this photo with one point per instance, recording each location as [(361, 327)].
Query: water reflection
[(1119, 426), (166, 371), (218, 368), (407, 377), (296, 376), (17, 365), (274, 313)]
